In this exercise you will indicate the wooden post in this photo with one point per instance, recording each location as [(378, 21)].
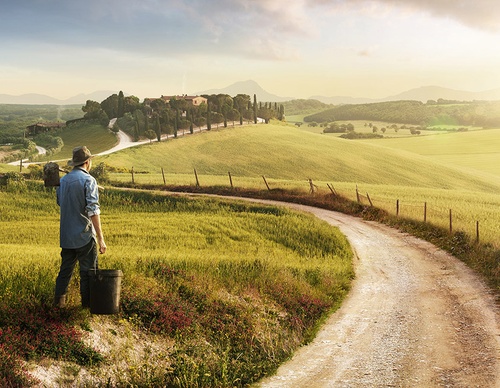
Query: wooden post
[(263, 177), (397, 207), (230, 179), (477, 232), (133, 182), (451, 223), (357, 194), (332, 189), (21, 165), (369, 200), (425, 211), (163, 175), (196, 176), (312, 186)]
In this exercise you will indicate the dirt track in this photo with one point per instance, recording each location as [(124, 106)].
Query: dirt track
[(415, 317)]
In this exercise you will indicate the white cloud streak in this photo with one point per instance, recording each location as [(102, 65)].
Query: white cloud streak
[(477, 14)]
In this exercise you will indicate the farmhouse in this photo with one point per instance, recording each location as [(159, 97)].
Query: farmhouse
[(193, 100), (35, 129)]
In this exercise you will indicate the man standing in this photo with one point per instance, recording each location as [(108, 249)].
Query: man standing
[(80, 224)]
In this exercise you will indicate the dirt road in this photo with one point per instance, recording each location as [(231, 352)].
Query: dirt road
[(415, 317)]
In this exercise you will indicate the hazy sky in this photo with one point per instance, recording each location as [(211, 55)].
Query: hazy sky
[(292, 48)]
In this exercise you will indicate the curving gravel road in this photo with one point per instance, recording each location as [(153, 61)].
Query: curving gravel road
[(415, 317)]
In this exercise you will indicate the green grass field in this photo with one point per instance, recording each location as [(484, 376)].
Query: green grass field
[(285, 152), (94, 136), (362, 126), (228, 258), (414, 170), (235, 287), (477, 150), (287, 156)]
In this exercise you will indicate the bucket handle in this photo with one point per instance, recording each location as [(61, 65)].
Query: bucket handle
[(94, 267)]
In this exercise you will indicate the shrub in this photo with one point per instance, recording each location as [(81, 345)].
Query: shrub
[(35, 172), (13, 182), (100, 173)]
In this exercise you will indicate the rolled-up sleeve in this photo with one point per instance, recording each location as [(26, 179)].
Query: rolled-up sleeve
[(92, 198)]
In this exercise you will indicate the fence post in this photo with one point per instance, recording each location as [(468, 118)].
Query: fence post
[(163, 175), (332, 189), (263, 177), (425, 211), (357, 194), (21, 165), (196, 176), (369, 200), (477, 232), (451, 223), (230, 178), (397, 207), (312, 186), (133, 182)]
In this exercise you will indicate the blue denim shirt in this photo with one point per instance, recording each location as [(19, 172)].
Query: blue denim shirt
[(78, 199)]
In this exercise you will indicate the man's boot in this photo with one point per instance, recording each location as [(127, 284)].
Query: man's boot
[(60, 301)]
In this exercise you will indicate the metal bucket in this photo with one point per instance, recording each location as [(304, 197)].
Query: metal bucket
[(105, 287)]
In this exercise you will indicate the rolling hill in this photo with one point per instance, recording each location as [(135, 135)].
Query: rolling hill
[(285, 152)]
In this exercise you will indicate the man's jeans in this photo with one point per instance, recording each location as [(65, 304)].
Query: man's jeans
[(86, 257)]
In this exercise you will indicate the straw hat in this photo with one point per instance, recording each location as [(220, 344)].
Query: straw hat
[(80, 155)]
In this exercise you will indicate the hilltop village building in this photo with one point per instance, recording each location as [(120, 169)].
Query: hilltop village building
[(193, 100)]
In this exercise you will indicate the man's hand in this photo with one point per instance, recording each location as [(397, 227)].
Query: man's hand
[(102, 246)]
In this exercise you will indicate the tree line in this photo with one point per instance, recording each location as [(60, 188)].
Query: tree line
[(475, 113), (157, 116)]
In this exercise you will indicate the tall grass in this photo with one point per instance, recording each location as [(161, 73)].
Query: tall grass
[(468, 206), (236, 286)]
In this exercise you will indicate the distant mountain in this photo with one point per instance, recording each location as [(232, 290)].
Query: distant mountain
[(423, 94), (426, 93), (337, 100), (41, 99), (248, 87), (30, 99)]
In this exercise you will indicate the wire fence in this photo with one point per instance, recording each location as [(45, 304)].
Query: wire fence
[(425, 212), (437, 214)]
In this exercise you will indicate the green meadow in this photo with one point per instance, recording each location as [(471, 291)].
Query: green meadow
[(477, 150), (97, 139), (288, 156), (233, 288)]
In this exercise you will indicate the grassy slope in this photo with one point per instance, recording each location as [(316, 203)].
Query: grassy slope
[(478, 150), (289, 153), (235, 286), (95, 137)]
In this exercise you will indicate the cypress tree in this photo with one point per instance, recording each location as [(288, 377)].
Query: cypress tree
[(158, 128), (255, 109), (121, 104), (191, 114), (176, 124), (209, 122)]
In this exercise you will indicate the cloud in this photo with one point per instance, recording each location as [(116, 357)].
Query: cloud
[(258, 29), (162, 27), (477, 14)]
